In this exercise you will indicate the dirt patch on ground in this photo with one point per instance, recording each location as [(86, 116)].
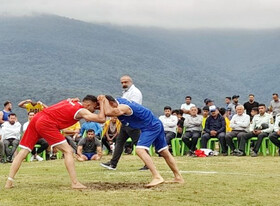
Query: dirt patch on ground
[(115, 186)]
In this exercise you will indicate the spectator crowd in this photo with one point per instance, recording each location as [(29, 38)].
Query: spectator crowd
[(232, 125)]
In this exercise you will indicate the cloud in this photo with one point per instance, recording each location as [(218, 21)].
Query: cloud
[(161, 13)]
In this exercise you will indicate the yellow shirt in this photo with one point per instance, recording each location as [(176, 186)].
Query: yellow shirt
[(203, 122), (74, 127), (37, 108), (228, 129)]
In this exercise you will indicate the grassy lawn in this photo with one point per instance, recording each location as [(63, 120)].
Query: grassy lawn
[(209, 181)]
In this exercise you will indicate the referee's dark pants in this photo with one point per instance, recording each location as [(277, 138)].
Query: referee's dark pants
[(125, 133)]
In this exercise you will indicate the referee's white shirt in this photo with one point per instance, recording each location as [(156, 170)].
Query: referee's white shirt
[(133, 94)]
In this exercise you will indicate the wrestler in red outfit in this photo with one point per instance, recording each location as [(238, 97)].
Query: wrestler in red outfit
[(49, 122)]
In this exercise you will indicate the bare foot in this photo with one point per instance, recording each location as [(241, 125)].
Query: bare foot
[(9, 184), (78, 185), (80, 159), (176, 180), (155, 182)]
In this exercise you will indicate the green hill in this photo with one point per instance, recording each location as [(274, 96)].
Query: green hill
[(50, 58)]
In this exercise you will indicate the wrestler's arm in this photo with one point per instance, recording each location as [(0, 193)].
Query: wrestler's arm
[(88, 116), (121, 109)]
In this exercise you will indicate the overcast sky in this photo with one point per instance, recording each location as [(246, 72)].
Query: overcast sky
[(160, 13)]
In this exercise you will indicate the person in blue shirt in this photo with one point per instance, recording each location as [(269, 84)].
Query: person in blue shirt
[(139, 117), (91, 125)]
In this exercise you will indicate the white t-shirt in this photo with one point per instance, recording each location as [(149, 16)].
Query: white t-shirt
[(24, 127), (169, 123), (187, 107), (11, 131), (133, 94)]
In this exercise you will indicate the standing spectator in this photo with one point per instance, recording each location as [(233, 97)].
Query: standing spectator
[(193, 130), (227, 102), (248, 106), (4, 114), (276, 134), (215, 127), (132, 93), (186, 106), (261, 126), (232, 106), (42, 142), (31, 106), (89, 148), (209, 102), (110, 132), (240, 124), (169, 124), (11, 135), (274, 105)]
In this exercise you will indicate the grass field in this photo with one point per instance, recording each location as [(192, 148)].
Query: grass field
[(208, 181)]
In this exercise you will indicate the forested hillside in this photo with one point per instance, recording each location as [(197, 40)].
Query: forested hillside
[(49, 58)]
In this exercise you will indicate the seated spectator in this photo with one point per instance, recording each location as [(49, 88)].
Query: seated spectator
[(72, 135), (89, 148), (91, 125), (169, 124), (261, 126), (11, 135), (2, 160), (42, 142), (4, 114), (227, 121), (254, 111), (205, 114), (180, 124), (31, 106), (193, 130), (276, 134), (110, 132), (214, 127), (240, 125)]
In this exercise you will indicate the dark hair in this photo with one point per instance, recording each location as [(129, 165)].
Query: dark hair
[(262, 105), (180, 111), (228, 98), (255, 109), (188, 97), (251, 95), (12, 114), (30, 112), (176, 111), (110, 98), (205, 108), (6, 103), (90, 98), (90, 130), (198, 110), (167, 107), (275, 94), (222, 111)]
